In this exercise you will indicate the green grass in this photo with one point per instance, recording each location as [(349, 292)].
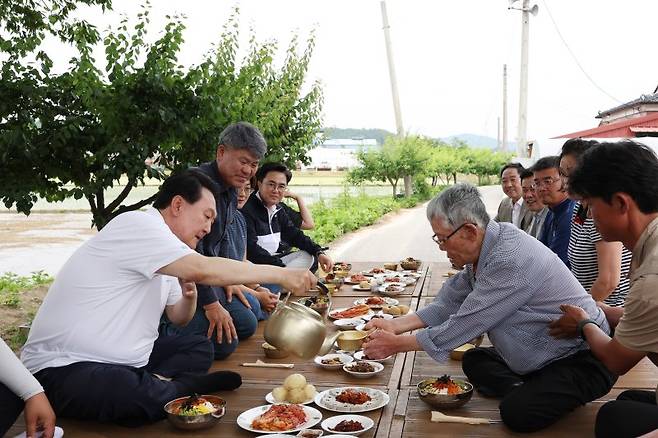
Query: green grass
[(11, 285), (346, 213)]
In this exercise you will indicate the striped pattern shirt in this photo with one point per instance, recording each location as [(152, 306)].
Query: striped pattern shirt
[(515, 294), (583, 258)]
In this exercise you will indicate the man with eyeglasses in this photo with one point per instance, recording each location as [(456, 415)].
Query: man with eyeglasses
[(268, 225), (537, 208), (551, 191), (511, 287), (225, 313)]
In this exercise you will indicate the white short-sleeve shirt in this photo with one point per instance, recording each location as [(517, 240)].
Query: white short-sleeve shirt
[(106, 301)]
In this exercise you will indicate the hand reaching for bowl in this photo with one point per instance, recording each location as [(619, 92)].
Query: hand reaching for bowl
[(380, 344), (382, 324)]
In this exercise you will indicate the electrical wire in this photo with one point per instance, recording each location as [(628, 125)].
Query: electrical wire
[(573, 55)]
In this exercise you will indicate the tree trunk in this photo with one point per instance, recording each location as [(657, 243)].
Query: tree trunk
[(407, 186)]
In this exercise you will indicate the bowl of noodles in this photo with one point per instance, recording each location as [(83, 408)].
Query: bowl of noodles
[(195, 412), (444, 392)]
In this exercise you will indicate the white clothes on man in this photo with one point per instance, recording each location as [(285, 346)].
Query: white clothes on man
[(516, 212), (106, 302)]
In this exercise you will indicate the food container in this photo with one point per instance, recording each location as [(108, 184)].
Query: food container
[(195, 422), (377, 368), (342, 266), (272, 352), (458, 353), (351, 340), (391, 266), (410, 264), (445, 401)]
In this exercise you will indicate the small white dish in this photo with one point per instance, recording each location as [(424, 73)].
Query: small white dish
[(333, 313), (331, 422), (344, 358), (391, 290), (348, 323), (379, 314), (378, 368), (360, 355), (358, 287), (376, 302)]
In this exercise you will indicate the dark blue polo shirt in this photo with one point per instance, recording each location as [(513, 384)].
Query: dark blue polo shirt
[(557, 229)]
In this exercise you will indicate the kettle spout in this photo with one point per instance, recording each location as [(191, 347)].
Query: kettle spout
[(328, 343)]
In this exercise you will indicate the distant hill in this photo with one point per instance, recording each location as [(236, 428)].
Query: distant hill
[(479, 141), (473, 140), (377, 134)]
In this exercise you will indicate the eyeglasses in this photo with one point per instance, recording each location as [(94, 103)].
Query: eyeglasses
[(246, 190), (441, 241), (546, 182), (274, 186)]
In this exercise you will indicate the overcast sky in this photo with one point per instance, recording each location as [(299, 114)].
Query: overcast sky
[(449, 57)]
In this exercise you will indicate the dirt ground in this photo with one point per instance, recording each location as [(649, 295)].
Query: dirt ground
[(11, 318)]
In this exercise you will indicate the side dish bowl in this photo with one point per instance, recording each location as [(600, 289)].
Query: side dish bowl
[(195, 422), (445, 401)]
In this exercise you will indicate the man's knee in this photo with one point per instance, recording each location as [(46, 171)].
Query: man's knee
[(519, 416), (224, 350), (607, 420), (472, 360), (246, 326)]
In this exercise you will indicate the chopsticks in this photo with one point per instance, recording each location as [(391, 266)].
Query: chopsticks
[(440, 417), (260, 364)]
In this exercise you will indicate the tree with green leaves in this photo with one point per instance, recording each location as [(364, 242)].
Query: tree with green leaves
[(399, 156), (81, 132)]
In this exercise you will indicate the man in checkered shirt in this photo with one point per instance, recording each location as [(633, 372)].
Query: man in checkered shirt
[(511, 287)]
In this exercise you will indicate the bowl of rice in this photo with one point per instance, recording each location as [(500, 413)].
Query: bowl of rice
[(195, 412), (444, 392)]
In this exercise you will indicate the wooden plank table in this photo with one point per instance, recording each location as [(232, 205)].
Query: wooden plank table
[(405, 416)]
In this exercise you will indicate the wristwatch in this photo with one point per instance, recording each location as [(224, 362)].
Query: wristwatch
[(582, 324)]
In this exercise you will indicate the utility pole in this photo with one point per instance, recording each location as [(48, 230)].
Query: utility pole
[(391, 71), (523, 90), (394, 88), (504, 148)]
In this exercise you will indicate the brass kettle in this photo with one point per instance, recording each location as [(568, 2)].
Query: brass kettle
[(299, 330)]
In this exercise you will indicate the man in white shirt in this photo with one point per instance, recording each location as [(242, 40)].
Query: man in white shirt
[(534, 205), (512, 208), (94, 342)]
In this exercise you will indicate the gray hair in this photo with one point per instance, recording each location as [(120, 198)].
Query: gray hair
[(459, 204), (244, 135)]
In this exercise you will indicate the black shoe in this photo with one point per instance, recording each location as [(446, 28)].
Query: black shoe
[(209, 383)]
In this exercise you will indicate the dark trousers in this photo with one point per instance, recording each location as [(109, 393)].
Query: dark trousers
[(536, 400), (122, 394), (11, 406), (634, 413)]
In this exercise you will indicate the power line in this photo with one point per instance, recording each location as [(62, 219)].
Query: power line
[(573, 55)]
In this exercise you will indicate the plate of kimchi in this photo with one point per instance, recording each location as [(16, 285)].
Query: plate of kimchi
[(352, 399), (281, 418)]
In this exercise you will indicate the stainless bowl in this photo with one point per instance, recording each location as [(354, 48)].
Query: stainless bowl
[(195, 422), (410, 265), (445, 401), (272, 352)]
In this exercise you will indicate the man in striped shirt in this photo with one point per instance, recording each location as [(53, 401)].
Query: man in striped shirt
[(511, 288)]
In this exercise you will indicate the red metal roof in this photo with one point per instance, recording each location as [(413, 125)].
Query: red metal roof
[(625, 128)]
